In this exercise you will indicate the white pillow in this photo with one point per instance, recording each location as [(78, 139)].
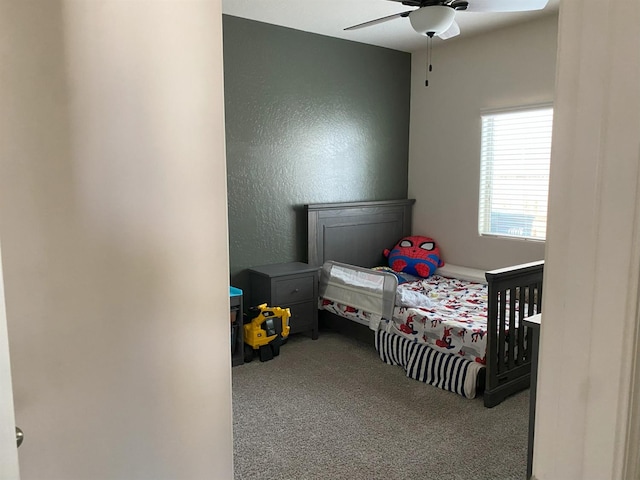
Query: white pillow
[(462, 273)]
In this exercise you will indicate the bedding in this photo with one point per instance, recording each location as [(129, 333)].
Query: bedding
[(454, 320), (448, 314), (422, 363)]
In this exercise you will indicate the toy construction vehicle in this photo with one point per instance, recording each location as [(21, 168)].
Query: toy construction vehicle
[(265, 332)]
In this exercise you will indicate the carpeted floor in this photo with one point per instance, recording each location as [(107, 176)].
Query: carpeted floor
[(331, 409)]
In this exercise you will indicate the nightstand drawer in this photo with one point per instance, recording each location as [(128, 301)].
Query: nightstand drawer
[(293, 290), (303, 317)]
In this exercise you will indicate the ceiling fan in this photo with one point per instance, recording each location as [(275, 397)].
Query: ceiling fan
[(437, 17)]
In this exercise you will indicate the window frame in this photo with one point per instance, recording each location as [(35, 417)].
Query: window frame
[(484, 209)]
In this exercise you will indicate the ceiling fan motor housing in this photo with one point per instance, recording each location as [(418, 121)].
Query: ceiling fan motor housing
[(432, 20)]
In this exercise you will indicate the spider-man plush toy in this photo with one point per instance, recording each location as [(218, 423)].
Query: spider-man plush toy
[(415, 255)]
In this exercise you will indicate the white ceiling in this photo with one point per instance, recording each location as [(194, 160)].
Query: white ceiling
[(330, 17)]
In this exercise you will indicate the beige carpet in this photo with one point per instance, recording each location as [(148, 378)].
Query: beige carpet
[(331, 409)]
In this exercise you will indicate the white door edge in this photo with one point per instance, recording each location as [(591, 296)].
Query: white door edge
[(8, 452)]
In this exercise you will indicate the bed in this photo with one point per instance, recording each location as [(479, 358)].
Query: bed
[(348, 239)]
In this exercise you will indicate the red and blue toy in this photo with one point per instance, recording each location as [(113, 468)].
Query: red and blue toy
[(415, 255)]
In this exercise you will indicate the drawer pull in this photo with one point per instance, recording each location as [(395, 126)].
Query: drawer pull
[(295, 290)]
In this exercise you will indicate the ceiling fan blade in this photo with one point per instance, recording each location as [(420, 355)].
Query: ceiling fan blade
[(505, 5), (452, 31), (379, 20)]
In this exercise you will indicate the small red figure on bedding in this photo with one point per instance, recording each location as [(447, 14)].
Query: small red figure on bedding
[(407, 327), (477, 334), (416, 255), (404, 328), (445, 341)]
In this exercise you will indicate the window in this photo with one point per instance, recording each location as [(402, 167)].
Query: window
[(514, 173)]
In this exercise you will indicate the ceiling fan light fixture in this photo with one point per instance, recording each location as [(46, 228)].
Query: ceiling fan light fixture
[(432, 19)]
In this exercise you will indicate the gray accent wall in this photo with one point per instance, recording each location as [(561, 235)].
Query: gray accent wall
[(309, 119)]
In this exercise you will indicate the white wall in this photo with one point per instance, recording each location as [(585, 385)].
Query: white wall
[(510, 67), (114, 237)]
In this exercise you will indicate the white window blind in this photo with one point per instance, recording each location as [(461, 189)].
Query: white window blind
[(514, 174)]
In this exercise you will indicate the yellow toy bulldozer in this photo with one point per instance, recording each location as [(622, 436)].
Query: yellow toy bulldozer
[(265, 332)]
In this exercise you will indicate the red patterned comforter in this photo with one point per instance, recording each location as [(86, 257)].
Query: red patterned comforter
[(448, 314)]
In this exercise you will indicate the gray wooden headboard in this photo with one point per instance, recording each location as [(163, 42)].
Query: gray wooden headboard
[(357, 232)]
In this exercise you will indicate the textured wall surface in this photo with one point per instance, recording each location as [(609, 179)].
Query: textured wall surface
[(309, 119)]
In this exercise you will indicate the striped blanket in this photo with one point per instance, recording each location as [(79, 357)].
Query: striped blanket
[(443, 370)]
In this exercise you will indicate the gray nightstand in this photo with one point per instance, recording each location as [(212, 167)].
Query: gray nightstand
[(288, 285)]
